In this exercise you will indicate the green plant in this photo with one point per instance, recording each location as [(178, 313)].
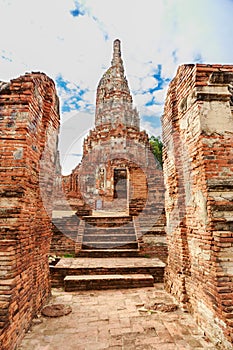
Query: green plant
[(157, 148), (68, 255)]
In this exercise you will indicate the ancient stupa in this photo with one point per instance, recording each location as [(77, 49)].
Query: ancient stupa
[(118, 172)]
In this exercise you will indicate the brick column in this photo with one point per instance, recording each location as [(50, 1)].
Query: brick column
[(198, 172), (29, 119)]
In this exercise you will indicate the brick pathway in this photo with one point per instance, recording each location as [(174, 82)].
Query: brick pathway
[(116, 319)]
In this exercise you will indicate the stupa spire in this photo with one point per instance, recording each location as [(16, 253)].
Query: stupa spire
[(114, 104), (116, 53)]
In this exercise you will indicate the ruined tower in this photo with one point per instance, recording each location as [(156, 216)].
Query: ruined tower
[(113, 174), (118, 175)]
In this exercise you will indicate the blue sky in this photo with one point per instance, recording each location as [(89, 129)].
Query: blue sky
[(71, 41)]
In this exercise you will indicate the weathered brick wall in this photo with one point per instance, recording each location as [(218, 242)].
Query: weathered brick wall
[(153, 242), (70, 189), (29, 120), (198, 172), (113, 149), (65, 231)]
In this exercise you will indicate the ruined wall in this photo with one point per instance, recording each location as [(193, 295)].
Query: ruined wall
[(198, 172), (109, 149), (65, 231), (29, 121)]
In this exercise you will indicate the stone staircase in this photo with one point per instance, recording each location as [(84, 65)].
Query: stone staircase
[(108, 236), (107, 255), (74, 274)]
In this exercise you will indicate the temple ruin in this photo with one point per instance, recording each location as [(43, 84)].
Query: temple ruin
[(118, 179), (116, 194)]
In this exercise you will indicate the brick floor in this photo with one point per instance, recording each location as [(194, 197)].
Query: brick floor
[(116, 319)]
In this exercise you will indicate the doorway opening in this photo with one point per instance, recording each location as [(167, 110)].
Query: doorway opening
[(120, 183)]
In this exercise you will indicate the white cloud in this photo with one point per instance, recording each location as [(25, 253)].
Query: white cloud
[(159, 95), (148, 83), (154, 110), (141, 99), (74, 128), (151, 129), (134, 83)]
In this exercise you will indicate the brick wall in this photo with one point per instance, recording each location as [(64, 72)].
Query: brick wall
[(152, 240), (65, 231), (29, 119), (198, 172)]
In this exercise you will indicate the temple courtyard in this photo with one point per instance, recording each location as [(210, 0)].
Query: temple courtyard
[(117, 319), (132, 226)]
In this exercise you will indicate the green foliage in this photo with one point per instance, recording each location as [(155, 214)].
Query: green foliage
[(157, 148), (68, 255)]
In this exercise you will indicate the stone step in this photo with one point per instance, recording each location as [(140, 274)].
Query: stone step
[(108, 253), (66, 221), (110, 245), (107, 221), (69, 234), (108, 238), (109, 230), (77, 283), (124, 265), (61, 227), (155, 228)]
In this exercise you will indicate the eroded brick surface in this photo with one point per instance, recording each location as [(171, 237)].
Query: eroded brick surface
[(198, 172), (29, 119)]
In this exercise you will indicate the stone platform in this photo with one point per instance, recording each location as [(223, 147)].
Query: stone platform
[(105, 266)]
